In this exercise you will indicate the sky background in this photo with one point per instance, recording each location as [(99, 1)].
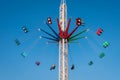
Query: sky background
[(33, 13)]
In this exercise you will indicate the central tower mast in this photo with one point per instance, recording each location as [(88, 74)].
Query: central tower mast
[(63, 44)]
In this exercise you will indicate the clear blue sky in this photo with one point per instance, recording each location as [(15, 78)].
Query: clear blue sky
[(32, 13)]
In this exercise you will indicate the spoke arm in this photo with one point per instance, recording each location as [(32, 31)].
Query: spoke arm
[(73, 31), (60, 30), (53, 30), (78, 34), (49, 34), (74, 39), (68, 25), (49, 38)]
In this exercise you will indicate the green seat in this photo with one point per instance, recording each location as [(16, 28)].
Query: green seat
[(101, 55), (106, 44)]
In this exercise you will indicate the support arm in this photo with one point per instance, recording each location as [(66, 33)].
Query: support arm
[(69, 40), (60, 30), (73, 31), (68, 25), (53, 30), (78, 34), (50, 38), (49, 34)]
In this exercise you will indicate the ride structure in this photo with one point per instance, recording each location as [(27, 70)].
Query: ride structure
[(63, 38), (63, 43)]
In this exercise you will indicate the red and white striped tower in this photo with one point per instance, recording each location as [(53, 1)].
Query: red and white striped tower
[(63, 43)]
